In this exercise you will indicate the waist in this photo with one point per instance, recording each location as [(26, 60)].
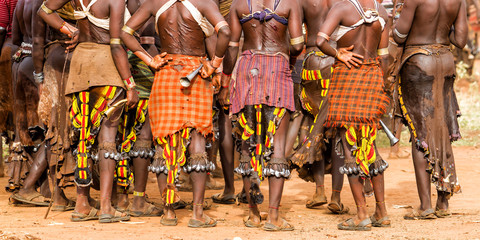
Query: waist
[(253, 53), (435, 48), (365, 62), (180, 59)]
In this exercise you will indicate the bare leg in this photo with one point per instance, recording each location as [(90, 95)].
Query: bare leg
[(356, 184), (59, 198), (226, 153), (198, 178), (168, 211), (36, 170), (379, 190), (140, 169), (442, 200), (293, 133), (319, 176), (276, 184), (337, 177), (82, 205), (423, 178), (107, 134)]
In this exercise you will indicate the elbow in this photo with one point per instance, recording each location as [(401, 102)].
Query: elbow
[(116, 49), (123, 36), (297, 48), (319, 42), (399, 40), (460, 44), (462, 41), (225, 32)]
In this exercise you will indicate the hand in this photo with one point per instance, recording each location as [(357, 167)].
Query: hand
[(132, 98), (216, 82), (72, 43), (207, 69), (159, 61), (348, 57), (224, 96)]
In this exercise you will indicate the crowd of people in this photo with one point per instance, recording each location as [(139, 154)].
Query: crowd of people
[(98, 93)]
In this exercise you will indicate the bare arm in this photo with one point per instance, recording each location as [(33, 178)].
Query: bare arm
[(17, 36), (138, 19), (332, 21), (232, 53), (117, 16), (404, 22), (39, 33), (384, 44), (459, 34), (223, 37), (53, 19), (295, 28)]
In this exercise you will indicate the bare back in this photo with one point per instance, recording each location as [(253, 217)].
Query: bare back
[(23, 22), (432, 21), (270, 35), (314, 14), (365, 38), (88, 31), (179, 32)]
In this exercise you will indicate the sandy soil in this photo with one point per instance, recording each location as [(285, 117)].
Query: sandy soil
[(28, 222)]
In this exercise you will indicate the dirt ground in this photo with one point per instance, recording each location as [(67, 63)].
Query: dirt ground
[(401, 193)]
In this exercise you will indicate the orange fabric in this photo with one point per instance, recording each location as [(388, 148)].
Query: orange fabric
[(173, 107)]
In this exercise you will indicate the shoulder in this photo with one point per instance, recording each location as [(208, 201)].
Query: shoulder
[(382, 12), (205, 5), (341, 7)]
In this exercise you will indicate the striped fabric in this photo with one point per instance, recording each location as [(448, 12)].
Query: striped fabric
[(142, 75), (172, 107), (261, 78), (356, 96), (7, 8)]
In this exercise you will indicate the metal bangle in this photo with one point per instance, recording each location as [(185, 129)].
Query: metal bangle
[(382, 51), (128, 30), (233, 44), (297, 40), (38, 77), (324, 35), (46, 9), (115, 41), (220, 25), (400, 35)]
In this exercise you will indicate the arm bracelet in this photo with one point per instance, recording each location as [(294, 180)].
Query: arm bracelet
[(400, 35), (46, 9), (324, 35), (297, 40), (115, 41), (216, 61), (233, 44), (382, 51), (128, 30), (38, 77), (129, 83), (220, 25)]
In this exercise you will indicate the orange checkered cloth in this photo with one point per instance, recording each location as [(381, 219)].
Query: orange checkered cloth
[(356, 96), (173, 107)]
